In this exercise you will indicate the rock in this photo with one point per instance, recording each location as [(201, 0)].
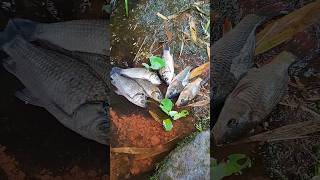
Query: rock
[(190, 161)]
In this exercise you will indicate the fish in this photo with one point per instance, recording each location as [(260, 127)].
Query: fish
[(139, 73), (167, 72), (178, 83), (189, 92), (253, 99), (91, 36), (128, 88), (151, 90), (232, 55), (65, 87)]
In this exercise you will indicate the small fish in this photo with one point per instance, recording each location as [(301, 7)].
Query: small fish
[(253, 99), (62, 85), (139, 73), (90, 36), (189, 92), (167, 72), (152, 90), (178, 83), (128, 88)]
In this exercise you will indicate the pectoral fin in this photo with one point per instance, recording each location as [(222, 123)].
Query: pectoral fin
[(26, 96)]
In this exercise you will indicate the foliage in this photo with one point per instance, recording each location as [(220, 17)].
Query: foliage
[(156, 63)]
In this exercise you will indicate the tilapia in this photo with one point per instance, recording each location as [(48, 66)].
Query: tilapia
[(90, 36), (253, 99), (178, 83), (167, 72), (65, 87), (189, 92), (139, 73), (152, 90), (128, 88), (232, 56)]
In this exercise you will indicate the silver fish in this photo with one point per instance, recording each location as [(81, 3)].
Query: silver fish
[(152, 90), (253, 99), (189, 92), (90, 36), (178, 83), (167, 72), (129, 88), (232, 56), (140, 73), (64, 86)]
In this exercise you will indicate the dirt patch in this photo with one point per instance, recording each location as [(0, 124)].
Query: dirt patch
[(138, 130)]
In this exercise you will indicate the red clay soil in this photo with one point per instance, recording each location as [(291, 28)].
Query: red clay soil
[(11, 170), (140, 130)]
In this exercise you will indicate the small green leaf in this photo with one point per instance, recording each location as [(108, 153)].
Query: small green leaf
[(166, 105), (147, 66), (126, 7), (167, 124), (183, 113), (156, 62)]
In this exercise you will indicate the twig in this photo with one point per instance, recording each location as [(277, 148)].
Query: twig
[(144, 40)]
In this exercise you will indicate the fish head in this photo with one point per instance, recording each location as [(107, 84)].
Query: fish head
[(157, 95), (154, 79), (168, 76), (91, 121), (140, 99), (174, 89), (233, 122), (182, 100)]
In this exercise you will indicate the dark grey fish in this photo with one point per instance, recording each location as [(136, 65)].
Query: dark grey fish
[(253, 99), (90, 36), (232, 56), (68, 89), (178, 83)]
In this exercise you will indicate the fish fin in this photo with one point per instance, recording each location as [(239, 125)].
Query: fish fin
[(118, 92), (26, 96), (9, 65), (15, 27)]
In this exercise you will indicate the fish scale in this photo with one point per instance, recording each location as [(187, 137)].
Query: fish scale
[(232, 55), (67, 82), (254, 97)]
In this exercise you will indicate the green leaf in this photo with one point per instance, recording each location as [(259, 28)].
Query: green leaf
[(147, 66), (234, 165), (167, 124), (126, 7), (166, 105), (156, 62), (183, 113)]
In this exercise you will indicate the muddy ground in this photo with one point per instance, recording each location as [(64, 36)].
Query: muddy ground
[(134, 39), (286, 159), (33, 144)]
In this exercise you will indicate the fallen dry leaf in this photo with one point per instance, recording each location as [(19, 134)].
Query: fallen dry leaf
[(193, 29), (200, 70), (286, 27), (162, 16), (199, 103)]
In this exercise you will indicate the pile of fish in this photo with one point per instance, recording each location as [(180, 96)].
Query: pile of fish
[(137, 84), (249, 94), (63, 68)]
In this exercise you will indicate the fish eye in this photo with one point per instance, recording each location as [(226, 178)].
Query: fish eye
[(183, 100), (232, 123), (166, 79)]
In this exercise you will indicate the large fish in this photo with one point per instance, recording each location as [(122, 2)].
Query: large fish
[(128, 88), (152, 90), (167, 72), (140, 73), (178, 83), (65, 87), (189, 92), (253, 99), (90, 36)]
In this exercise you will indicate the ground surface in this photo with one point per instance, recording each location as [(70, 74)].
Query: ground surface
[(33, 144)]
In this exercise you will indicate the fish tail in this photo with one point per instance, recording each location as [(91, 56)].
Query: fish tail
[(115, 70), (273, 10), (24, 28)]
